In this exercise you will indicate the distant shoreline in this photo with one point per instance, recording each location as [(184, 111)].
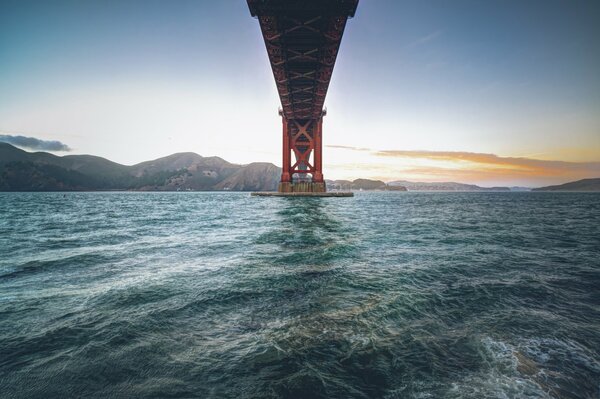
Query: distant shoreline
[(22, 171), (354, 191)]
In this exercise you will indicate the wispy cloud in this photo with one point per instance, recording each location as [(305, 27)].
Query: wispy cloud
[(424, 39), (33, 143), (345, 147), (473, 166), (547, 167)]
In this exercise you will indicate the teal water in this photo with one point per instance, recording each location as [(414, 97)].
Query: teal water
[(384, 295)]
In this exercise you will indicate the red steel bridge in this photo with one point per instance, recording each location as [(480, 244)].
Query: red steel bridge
[(303, 39)]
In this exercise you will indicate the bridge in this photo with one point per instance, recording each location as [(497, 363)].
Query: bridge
[(302, 38)]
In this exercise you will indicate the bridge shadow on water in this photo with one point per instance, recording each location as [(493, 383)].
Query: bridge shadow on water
[(301, 259), (306, 323), (306, 232)]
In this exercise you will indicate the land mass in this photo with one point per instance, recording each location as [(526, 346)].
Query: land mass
[(579, 185), (41, 171), (187, 171), (444, 186), (361, 184)]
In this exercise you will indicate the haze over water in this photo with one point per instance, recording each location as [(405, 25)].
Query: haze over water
[(384, 295)]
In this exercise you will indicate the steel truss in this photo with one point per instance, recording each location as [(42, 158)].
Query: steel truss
[(302, 38)]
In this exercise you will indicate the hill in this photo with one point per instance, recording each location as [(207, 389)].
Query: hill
[(253, 177), (41, 171), (579, 185), (362, 184), (444, 186)]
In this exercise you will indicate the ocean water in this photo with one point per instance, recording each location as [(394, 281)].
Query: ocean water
[(384, 295)]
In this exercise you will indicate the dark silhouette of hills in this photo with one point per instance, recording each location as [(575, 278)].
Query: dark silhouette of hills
[(362, 184), (41, 171), (579, 185), (443, 186)]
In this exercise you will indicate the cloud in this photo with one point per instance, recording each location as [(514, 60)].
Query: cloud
[(492, 161), (345, 147), (34, 144), (472, 166), (424, 39)]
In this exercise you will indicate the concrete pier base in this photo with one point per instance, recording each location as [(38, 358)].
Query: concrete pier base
[(301, 187), (302, 194)]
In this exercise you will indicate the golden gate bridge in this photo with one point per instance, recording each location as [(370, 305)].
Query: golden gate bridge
[(302, 38)]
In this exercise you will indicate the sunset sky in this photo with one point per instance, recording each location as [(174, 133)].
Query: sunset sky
[(485, 92)]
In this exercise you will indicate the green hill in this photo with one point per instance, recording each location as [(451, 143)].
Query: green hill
[(41, 171)]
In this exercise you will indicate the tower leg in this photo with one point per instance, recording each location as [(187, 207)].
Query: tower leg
[(318, 175), (318, 184), (285, 185)]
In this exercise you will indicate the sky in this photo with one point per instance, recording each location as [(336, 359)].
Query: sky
[(484, 92)]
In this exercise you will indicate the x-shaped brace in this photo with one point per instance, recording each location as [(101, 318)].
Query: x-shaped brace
[(302, 157)]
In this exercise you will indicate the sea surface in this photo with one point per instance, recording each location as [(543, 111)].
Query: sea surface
[(223, 295)]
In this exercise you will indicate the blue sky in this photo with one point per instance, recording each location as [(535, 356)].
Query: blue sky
[(135, 80)]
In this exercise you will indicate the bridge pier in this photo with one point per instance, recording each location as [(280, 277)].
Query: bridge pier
[(302, 39), (301, 187), (303, 139)]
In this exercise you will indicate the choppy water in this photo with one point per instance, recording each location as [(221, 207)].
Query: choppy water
[(385, 295)]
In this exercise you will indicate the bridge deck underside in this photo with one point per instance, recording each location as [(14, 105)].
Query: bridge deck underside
[(302, 40)]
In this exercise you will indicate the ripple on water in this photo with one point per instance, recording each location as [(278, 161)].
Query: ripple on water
[(389, 295)]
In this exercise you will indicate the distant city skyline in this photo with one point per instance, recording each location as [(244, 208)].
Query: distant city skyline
[(491, 93)]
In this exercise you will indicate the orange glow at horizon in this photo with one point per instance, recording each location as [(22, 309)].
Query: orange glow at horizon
[(466, 167)]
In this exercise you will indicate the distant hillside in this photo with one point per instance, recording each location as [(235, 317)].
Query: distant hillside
[(40, 171), (256, 176), (362, 184), (444, 186), (579, 185)]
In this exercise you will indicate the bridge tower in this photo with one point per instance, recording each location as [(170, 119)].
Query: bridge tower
[(302, 38)]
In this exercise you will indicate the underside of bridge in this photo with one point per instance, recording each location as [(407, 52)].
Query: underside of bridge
[(302, 39)]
